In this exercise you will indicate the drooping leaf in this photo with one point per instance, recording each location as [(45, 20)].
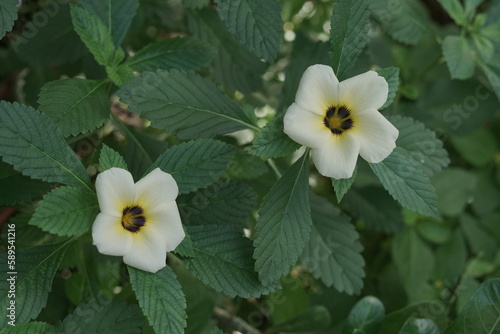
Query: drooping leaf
[(223, 261), (183, 104), (365, 317), (161, 299), (109, 158), (75, 105), (196, 164), (8, 14), (16, 188), (391, 75), (333, 252), (342, 186), (256, 24), (29, 328), (284, 223), (34, 145), (272, 142), (458, 56)]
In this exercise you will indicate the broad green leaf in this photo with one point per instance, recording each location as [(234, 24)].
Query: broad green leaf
[(480, 241), (75, 105), (451, 258), (186, 247), (333, 252), (66, 211), (391, 75), (256, 24), (471, 5), (484, 46), (223, 203), (109, 158), (420, 145), (29, 328), (419, 326), (34, 145), (458, 56), (120, 74), (481, 314), (431, 309), (32, 273), (434, 231), (183, 104), (223, 261), (116, 15), (454, 189), (16, 188), (272, 142), (161, 299), (196, 164), (96, 36), (181, 53), (284, 223), (365, 317), (316, 318), (456, 11), (349, 25), (407, 184), (26, 235), (8, 14), (342, 186), (478, 147), (246, 166)]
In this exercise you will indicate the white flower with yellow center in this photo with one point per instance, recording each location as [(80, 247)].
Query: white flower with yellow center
[(340, 120), (140, 221)]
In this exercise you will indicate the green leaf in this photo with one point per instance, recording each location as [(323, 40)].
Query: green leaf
[(75, 105), (29, 328), (481, 314), (96, 36), (407, 184), (116, 15), (434, 231), (223, 261), (451, 258), (348, 34), (223, 203), (183, 104), (247, 167), (493, 75), (420, 145), (272, 142), (256, 24), (34, 145), (419, 326), (484, 46), (478, 147), (333, 252), (16, 188), (342, 186), (432, 309), (161, 299), (186, 247), (196, 4), (458, 56), (196, 164), (391, 75), (120, 74), (34, 271), (365, 317), (481, 242), (456, 11), (109, 158), (314, 319), (471, 5), (454, 189), (181, 53), (66, 211), (284, 223), (8, 14)]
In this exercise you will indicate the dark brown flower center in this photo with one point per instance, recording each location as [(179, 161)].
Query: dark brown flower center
[(338, 120), (133, 218)]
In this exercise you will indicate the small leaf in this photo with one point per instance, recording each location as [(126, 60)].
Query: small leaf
[(457, 53), (8, 14), (342, 186), (365, 317), (391, 75), (456, 11), (34, 327), (419, 326), (471, 5), (109, 158), (484, 46)]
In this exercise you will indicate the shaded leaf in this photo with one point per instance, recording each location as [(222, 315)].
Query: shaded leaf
[(365, 317), (458, 56), (391, 75), (8, 14), (419, 326), (272, 142), (342, 186), (109, 158), (29, 328)]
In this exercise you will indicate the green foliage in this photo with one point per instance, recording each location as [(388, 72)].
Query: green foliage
[(391, 75), (453, 196), (455, 9), (419, 326), (8, 14), (477, 148), (26, 189), (29, 328), (272, 142), (109, 158), (316, 318), (342, 186), (365, 317), (458, 55)]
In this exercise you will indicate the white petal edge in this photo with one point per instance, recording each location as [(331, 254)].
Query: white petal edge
[(115, 190), (156, 188), (318, 89), (376, 135), (167, 221), (337, 158), (364, 91), (110, 237), (148, 251), (305, 127)]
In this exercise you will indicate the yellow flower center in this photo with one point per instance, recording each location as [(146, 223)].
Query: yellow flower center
[(338, 120), (133, 218)]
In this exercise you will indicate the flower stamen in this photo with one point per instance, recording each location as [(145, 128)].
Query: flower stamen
[(338, 120), (133, 219)]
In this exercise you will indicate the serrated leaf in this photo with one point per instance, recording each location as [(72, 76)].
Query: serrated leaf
[(75, 105), (365, 317), (196, 164), (116, 15), (183, 104), (407, 184), (391, 75), (456, 11), (333, 252), (34, 145), (185, 54), (257, 24), (272, 142), (29, 328), (109, 158), (284, 223), (481, 314), (342, 186), (186, 247), (225, 203), (349, 25), (458, 56), (66, 211), (419, 326), (8, 14), (35, 268), (420, 145), (120, 74), (161, 299), (246, 166), (223, 261), (16, 188)]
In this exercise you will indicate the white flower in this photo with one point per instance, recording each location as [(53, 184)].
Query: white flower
[(339, 120), (138, 221)]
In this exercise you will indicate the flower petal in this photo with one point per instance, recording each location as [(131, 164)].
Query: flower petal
[(364, 91), (167, 221), (155, 189), (305, 127), (376, 135), (110, 237), (337, 158), (318, 89), (148, 250), (115, 190)]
